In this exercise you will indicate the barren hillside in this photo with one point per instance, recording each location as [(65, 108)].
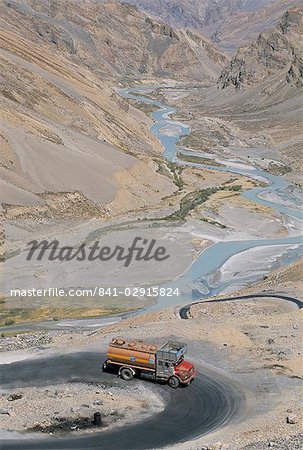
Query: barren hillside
[(114, 40), (64, 127), (229, 23)]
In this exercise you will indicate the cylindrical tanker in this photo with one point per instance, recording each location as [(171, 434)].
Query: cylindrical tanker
[(133, 353)]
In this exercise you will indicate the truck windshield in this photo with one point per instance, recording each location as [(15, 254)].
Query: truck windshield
[(179, 361)]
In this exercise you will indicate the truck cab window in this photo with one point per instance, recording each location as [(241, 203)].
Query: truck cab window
[(179, 362)]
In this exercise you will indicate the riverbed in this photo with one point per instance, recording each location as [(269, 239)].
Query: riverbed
[(207, 275)]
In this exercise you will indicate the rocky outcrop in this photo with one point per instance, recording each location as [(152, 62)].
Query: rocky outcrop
[(295, 73), (275, 51), (162, 29)]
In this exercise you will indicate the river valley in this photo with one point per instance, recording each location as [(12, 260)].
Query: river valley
[(221, 257)]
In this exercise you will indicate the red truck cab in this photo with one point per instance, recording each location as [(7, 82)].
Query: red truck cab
[(185, 371)]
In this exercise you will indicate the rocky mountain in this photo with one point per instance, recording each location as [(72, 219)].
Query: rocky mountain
[(229, 23), (115, 40), (239, 22), (277, 52)]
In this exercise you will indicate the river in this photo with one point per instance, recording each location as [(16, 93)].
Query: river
[(226, 265), (277, 194)]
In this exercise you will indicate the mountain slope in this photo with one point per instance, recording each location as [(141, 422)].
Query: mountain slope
[(229, 23), (62, 130), (115, 40), (65, 130), (241, 21)]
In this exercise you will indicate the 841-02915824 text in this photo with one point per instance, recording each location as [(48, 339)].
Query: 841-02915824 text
[(139, 292)]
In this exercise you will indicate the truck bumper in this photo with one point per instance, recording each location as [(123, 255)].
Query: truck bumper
[(190, 379)]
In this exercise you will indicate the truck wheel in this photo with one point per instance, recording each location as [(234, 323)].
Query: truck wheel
[(174, 382), (127, 374), (104, 366)]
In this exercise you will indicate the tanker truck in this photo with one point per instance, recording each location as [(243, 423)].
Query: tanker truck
[(164, 363)]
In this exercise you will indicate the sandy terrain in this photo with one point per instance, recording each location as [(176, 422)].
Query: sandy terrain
[(237, 213)]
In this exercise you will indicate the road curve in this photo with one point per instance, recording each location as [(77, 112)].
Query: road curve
[(183, 311), (210, 402)]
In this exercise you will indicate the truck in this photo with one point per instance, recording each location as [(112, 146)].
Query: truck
[(162, 363)]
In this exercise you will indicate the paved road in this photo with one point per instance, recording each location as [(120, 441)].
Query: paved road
[(208, 403), (183, 312)]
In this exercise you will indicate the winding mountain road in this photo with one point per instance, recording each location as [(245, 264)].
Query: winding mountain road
[(183, 311), (208, 403)]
